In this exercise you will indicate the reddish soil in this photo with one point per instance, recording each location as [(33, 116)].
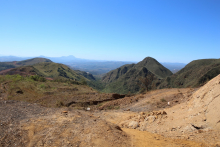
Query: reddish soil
[(4, 72), (21, 71)]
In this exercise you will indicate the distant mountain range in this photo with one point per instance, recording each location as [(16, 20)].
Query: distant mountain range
[(95, 67), (63, 59)]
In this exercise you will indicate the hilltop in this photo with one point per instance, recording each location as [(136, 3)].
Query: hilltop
[(194, 74), (130, 77), (14, 64), (44, 68)]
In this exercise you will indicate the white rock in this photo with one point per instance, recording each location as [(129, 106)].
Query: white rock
[(150, 119), (133, 124)]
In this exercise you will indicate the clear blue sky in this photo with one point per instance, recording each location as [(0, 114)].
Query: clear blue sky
[(125, 30)]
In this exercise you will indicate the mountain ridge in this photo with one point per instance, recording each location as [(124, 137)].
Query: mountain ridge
[(14, 64), (194, 74), (128, 78)]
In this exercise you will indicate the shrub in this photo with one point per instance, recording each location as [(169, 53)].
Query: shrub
[(163, 100), (17, 78), (83, 81), (42, 86), (117, 107), (38, 78), (59, 104)]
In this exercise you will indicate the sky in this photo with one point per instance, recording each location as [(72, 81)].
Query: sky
[(119, 30)]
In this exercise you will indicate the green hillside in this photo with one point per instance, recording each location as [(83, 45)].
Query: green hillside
[(55, 70), (61, 71), (194, 74), (8, 65), (32, 61), (131, 77), (46, 68), (155, 67)]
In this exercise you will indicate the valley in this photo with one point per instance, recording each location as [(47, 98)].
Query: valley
[(115, 73)]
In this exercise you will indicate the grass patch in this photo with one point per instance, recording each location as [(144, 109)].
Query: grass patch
[(42, 86), (48, 93), (59, 103)]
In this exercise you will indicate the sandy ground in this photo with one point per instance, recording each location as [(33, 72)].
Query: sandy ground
[(191, 119), (147, 139), (31, 125)]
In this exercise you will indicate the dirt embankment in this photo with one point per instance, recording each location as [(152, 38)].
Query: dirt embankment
[(196, 119)]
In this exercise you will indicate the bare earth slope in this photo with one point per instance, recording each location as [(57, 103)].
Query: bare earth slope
[(31, 125), (196, 119)]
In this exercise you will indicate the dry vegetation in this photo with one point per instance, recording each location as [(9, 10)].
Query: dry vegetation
[(49, 93)]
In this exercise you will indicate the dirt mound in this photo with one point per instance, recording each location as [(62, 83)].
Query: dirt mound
[(153, 100), (197, 119), (206, 100)]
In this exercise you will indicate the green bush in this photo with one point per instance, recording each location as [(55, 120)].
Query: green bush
[(83, 81), (42, 86), (17, 78), (38, 78)]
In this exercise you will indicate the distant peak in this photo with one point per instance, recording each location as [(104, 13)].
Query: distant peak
[(147, 59), (70, 56)]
